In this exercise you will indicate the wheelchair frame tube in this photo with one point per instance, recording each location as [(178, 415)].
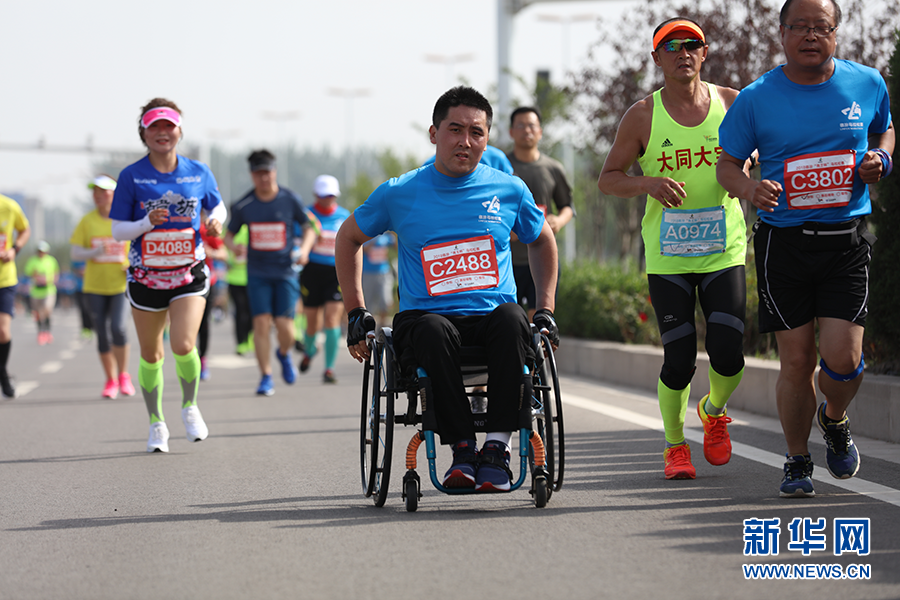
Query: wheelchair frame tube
[(431, 453)]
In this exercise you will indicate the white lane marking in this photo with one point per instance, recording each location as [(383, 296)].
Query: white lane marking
[(856, 485), (23, 387), (231, 361), (51, 367), (66, 355)]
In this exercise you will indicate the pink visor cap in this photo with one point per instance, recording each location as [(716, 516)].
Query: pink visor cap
[(158, 114)]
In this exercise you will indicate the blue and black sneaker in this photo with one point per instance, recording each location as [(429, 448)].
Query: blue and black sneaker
[(287, 369), (841, 454), (461, 473), (797, 482), (265, 386), (493, 471)]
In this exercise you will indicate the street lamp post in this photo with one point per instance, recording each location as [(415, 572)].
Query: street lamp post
[(450, 61), (280, 117), (349, 95), (568, 150)]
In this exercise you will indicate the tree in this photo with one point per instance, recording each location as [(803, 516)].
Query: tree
[(883, 326)]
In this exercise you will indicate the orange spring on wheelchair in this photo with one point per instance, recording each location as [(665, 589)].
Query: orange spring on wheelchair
[(412, 449), (538, 445)]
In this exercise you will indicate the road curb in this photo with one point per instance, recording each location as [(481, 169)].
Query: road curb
[(875, 412)]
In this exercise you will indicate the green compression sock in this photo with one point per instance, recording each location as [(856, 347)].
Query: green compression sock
[(299, 325), (332, 341), (187, 366), (673, 406), (310, 342), (150, 378), (720, 390)]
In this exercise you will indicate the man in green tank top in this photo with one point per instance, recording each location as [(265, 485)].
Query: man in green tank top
[(694, 236)]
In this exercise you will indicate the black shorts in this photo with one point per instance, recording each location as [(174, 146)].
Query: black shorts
[(8, 300), (319, 284), (143, 298), (812, 271)]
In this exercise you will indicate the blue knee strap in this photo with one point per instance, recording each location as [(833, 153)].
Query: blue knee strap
[(839, 377)]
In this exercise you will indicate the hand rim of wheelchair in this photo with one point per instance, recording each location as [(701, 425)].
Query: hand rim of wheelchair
[(376, 427)]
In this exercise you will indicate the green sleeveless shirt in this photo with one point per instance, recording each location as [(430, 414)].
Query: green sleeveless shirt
[(707, 233)]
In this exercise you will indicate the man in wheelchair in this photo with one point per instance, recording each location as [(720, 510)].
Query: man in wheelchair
[(453, 221)]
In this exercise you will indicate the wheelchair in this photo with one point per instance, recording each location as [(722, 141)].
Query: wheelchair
[(386, 376)]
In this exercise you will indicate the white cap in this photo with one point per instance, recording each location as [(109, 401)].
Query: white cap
[(104, 182), (43, 246), (325, 186)]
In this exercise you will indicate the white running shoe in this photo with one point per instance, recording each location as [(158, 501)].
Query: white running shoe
[(193, 424), (159, 437)]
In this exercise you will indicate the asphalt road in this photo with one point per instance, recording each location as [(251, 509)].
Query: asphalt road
[(270, 505)]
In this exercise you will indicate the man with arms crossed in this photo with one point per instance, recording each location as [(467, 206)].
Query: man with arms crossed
[(823, 130)]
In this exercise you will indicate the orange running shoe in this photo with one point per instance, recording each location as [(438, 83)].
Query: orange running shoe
[(716, 441), (678, 462)]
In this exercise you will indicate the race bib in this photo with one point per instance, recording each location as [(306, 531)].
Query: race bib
[(2, 241), (325, 243), (166, 249), (460, 266), (820, 180), (268, 237), (698, 232), (113, 251), (377, 254)]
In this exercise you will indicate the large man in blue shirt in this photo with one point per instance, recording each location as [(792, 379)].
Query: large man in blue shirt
[(453, 221), (824, 133)]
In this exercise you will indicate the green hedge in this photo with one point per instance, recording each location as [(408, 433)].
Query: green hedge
[(609, 302)]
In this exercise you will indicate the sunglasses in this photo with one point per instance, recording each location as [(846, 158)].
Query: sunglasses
[(677, 45)]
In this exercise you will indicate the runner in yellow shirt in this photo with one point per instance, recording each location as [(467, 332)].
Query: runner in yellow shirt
[(12, 219), (104, 286), (43, 271)]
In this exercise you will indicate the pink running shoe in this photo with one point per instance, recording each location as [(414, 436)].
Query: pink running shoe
[(125, 385), (111, 389)]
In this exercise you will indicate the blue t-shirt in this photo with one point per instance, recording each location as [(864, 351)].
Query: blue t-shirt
[(492, 157), (271, 232), (431, 212), (375, 254), (184, 192), (323, 251), (785, 120)]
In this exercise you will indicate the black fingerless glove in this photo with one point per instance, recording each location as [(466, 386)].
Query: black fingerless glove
[(543, 319), (360, 322)]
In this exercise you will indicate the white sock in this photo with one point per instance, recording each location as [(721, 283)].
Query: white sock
[(499, 436)]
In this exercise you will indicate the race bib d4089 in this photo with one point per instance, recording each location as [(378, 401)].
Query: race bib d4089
[(168, 248), (820, 180), (461, 266)]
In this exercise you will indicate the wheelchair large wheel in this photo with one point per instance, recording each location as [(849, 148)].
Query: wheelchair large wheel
[(376, 427), (549, 417)]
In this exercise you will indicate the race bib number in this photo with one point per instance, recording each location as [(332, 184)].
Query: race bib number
[(377, 254), (268, 237), (820, 180), (166, 249), (325, 243), (113, 251), (698, 232), (3, 241), (460, 266)]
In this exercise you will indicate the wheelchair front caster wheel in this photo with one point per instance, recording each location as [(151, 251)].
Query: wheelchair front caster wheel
[(411, 491), (541, 492)]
